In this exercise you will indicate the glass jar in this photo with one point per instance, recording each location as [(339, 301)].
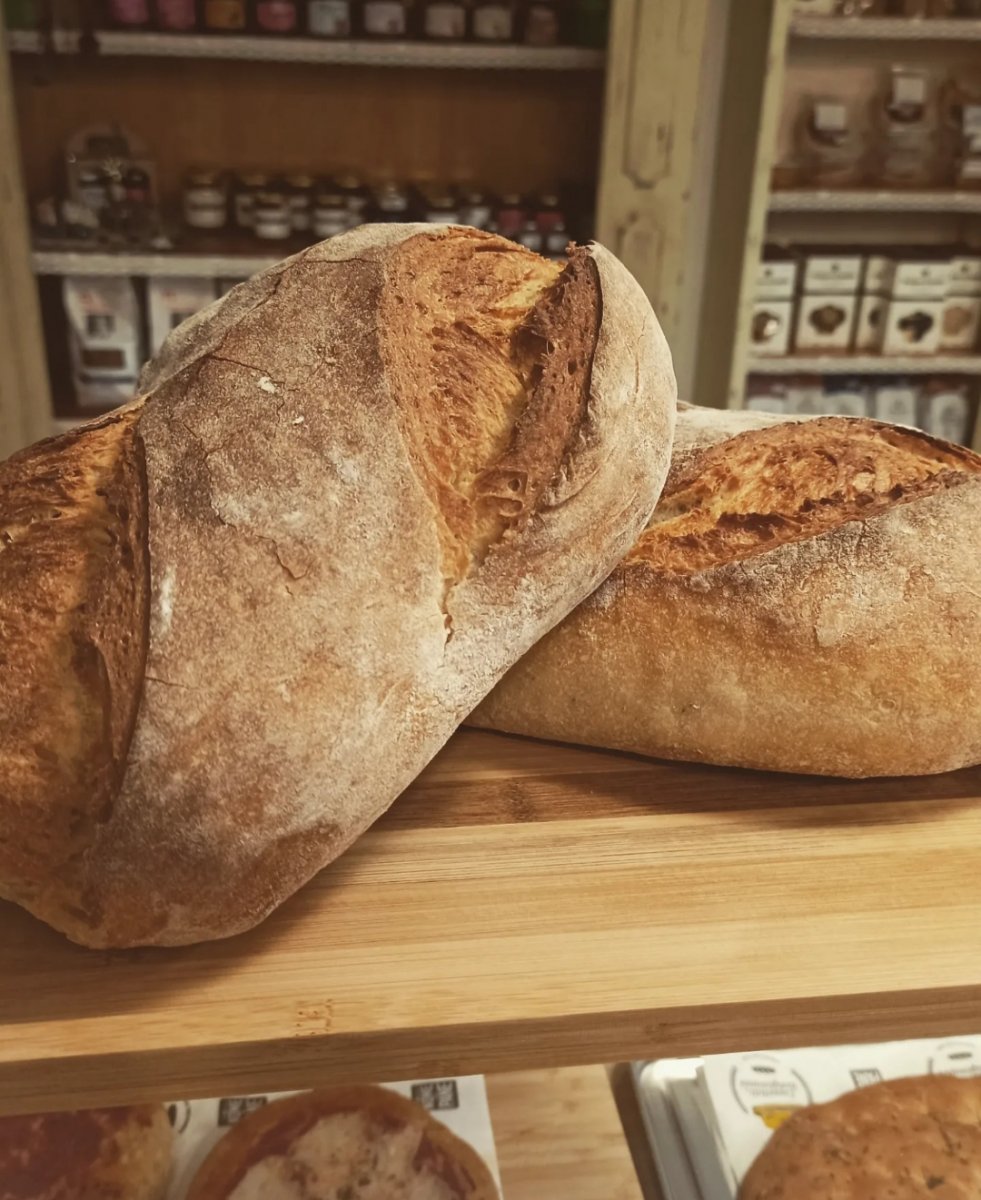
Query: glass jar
[(224, 16), (271, 217), (530, 235), (280, 17), (831, 148), (300, 190), (355, 193), (329, 18), (556, 241), (493, 21), (205, 199), (247, 185), (176, 16), (475, 209), (331, 214), (385, 18), (390, 202), (136, 185), (511, 215), (128, 14), (444, 20), (438, 206), (91, 185), (542, 25), (908, 131)]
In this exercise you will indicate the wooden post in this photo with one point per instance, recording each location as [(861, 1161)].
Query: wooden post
[(25, 402), (654, 171)]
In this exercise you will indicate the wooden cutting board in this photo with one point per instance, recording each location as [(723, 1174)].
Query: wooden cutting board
[(528, 905)]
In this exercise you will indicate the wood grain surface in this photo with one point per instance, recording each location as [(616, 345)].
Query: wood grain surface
[(559, 1137), (529, 905)]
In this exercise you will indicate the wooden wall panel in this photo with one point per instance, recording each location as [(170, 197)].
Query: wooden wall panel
[(510, 129)]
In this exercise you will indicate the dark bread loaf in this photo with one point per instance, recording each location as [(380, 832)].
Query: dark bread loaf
[(97, 1154), (906, 1139), (351, 1142), (807, 597), (238, 616)]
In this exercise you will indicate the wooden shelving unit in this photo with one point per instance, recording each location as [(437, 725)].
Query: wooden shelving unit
[(865, 364), (885, 29), (876, 201), (198, 264)]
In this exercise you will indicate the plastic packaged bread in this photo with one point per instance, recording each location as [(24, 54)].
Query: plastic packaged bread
[(239, 615), (354, 1143), (906, 1139), (807, 597)]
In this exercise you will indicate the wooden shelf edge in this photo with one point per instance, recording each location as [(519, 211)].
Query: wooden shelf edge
[(947, 364), (875, 200), (886, 29)]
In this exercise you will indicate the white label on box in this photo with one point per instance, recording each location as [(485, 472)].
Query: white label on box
[(826, 323), (171, 301), (921, 280), (909, 89), (831, 116), (776, 280), (895, 403), (836, 274), (913, 327), (965, 276)]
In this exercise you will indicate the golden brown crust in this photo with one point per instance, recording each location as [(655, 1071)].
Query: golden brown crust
[(305, 657), (73, 639), (98, 1154), (275, 1130), (849, 651), (907, 1139)]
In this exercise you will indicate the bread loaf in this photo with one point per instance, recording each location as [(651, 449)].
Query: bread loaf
[(806, 598), (240, 614), (98, 1154), (352, 1143), (907, 1139)]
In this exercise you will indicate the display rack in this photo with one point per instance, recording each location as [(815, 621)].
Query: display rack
[(527, 905), (311, 50), (885, 29), (875, 201), (199, 265), (865, 364)]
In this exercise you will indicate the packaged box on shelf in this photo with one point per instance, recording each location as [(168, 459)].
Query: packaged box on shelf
[(879, 272), (766, 394), (960, 321), (965, 275), (826, 323), (896, 401), (870, 324), (171, 301), (805, 396), (776, 278), (945, 410), (913, 327), (832, 274), (920, 279), (105, 342), (846, 398), (770, 327)]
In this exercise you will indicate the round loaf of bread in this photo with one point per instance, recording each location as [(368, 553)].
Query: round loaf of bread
[(99, 1154), (906, 1139), (807, 597), (353, 1143), (239, 615)]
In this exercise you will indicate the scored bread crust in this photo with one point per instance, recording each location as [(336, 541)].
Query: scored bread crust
[(852, 651), (904, 1139), (274, 1129), (311, 632)]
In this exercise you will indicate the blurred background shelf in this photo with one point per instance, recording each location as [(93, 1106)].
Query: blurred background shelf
[(865, 364), (200, 264), (881, 200), (313, 50), (886, 29)]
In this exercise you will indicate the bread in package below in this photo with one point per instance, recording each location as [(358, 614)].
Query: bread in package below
[(806, 597), (240, 614)]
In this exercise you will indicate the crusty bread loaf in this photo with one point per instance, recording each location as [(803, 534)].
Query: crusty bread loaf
[(100, 1154), (907, 1139), (239, 615), (806, 598), (354, 1143)]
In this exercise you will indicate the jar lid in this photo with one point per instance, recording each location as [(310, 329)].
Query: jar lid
[(300, 179), (204, 177), (270, 199), (512, 200), (252, 179), (349, 180)]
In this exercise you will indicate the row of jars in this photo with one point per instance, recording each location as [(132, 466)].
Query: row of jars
[(299, 205), (532, 22)]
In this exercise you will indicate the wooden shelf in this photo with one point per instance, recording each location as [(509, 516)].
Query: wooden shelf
[(168, 264), (529, 905), (865, 364), (312, 50), (886, 29), (868, 200)]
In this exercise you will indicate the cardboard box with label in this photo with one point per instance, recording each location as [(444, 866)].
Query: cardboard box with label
[(826, 324), (105, 342), (769, 332), (171, 301), (896, 401), (913, 327)]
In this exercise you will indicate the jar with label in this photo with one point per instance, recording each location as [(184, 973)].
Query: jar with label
[(91, 185), (277, 16), (128, 14), (355, 194), (438, 206), (205, 199), (556, 241), (493, 21), (530, 235), (299, 191), (136, 185), (832, 148), (541, 25), (389, 202), (548, 212), (475, 209), (386, 18), (329, 18), (246, 186), (907, 121), (272, 219), (224, 16), (175, 16), (444, 20), (511, 216), (331, 214)]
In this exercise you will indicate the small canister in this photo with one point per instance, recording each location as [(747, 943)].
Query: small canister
[(272, 218), (300, 192), (205, 198), (439, 206), (355, 195), (248, 185), (92, 190), (331, 214)]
